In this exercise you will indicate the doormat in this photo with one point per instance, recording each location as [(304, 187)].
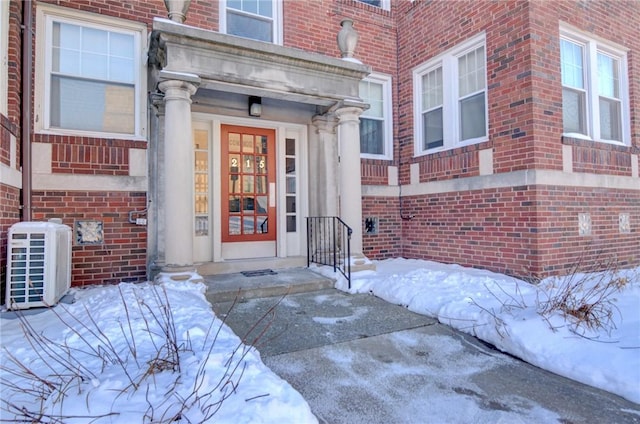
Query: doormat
[(258, 273)]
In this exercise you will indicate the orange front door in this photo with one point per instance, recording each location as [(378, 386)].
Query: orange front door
[(248, 184)]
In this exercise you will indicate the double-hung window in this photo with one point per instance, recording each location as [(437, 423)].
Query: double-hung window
[(256, 19), (376, 122), (90, 78), (383, 4), (594, 89), (450, 98)]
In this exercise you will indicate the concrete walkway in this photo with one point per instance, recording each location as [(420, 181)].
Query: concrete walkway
[(358, 359)]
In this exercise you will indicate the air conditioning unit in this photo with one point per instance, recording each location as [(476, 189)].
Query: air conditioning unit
[(38, 264)]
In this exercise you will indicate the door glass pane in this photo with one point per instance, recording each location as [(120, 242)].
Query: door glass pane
[(234, 163), (234, 142), (262, 204), (234, 184), (290, 147), (291, 185), (201, 161), (261, 164), (202, 202), (263, 224), (248, 204), (247, 164), (202, 225), (247, 143), (261, 145), (234, 225), (248, 224), (291, 165), (247, 184), (291, 204), (234, 204), (291, 224), (261, 184)]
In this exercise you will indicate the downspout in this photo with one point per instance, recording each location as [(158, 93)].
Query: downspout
[(25, 129), (397, 104)]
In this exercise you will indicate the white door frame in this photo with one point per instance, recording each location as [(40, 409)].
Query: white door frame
[(210, 248)]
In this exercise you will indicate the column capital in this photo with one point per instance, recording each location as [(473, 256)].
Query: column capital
[(350, 113), (325, 123), (171, 81)]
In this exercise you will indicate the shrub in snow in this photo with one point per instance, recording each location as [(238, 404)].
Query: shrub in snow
[(125, 343)]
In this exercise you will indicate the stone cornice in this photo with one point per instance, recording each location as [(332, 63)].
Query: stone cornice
[(235, 64)]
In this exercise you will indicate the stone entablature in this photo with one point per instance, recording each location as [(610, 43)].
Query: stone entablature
[(237, 65)]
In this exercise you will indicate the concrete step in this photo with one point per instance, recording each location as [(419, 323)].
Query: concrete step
[(256, 284)]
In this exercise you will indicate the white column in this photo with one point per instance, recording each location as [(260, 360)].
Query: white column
[(349, 173), (178, 172), (324, 164)]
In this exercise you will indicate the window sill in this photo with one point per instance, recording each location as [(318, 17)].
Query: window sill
[(572, 140), (91, 134), (453, 150)]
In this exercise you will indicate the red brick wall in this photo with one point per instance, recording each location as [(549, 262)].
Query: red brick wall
[(122, 255), (485, 228), (510, 229), (9, 215), (387, 243), (559, 244), (524, 231), (600, 158), (85, 155)]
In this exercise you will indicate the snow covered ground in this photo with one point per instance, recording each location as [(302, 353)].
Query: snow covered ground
[(136, 353), (504, 311), (139, 353)]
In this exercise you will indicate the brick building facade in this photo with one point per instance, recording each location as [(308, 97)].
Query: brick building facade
[(503, 135)]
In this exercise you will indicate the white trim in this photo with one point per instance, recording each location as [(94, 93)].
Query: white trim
[(505, 180), (592, 46), (45, 16), (448, 61), (277, 20), (387, 105), (4, 56)]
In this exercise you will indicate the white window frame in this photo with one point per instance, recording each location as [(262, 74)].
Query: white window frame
[(46, 15), (384, 4), (277, 20), (448, 61), (592, 46), (387, 111), (4, 57)]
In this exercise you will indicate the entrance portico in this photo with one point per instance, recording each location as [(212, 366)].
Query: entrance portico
[(310, 108)]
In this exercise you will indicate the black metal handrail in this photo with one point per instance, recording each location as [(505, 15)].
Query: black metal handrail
[(329, 243)]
